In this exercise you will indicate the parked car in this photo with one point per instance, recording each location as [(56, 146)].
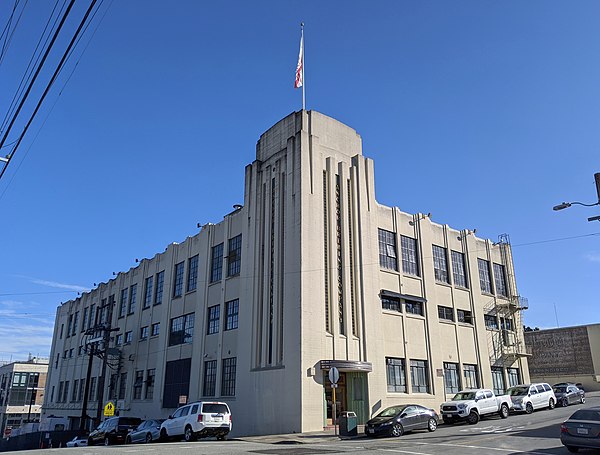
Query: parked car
[(397, 420), (579, 385), (147, 431), (78, 441), (568, 394), (581, 430), (198, 420), (472, 404), (113, 430), (529, 397)]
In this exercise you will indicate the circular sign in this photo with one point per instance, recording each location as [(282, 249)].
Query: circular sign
[(334, 375)]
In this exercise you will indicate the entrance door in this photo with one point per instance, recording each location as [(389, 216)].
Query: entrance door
[(340, 397), (350, 395)]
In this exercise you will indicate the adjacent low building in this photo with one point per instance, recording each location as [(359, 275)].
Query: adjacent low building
[(310, 273), (567, 354)]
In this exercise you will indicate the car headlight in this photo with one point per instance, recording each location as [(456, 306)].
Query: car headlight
[(386, 423), (462, 406)]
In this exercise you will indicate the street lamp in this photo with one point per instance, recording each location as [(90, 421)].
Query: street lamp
[(566, 205)]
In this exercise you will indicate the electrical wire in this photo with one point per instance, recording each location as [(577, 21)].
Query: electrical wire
[(7, 30)]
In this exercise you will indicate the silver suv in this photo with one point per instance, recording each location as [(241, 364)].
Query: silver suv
[(198, 420)]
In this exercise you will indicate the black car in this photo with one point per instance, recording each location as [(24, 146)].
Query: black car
[(568, 394), (396, 420), (581, 430), (113, 430), (147, 431)]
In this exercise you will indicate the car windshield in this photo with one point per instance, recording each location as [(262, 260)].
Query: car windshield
[(560, 389), (517, 391), (464, 396), (392, 411), (586, 414)]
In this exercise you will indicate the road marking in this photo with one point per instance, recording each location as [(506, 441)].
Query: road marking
[(498, 449)]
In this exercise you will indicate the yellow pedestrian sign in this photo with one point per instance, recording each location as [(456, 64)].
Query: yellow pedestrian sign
[(109, 409)]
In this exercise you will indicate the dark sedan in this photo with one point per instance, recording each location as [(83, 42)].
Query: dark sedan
[(581, 430), (397, 420), (568, 394), (147, 431)]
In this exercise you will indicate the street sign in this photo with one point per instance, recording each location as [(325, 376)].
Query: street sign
[(182, 400), (334, 375), (109, 409)]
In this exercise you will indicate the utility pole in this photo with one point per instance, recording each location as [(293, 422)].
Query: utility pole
[(86, 393), (104, 355)]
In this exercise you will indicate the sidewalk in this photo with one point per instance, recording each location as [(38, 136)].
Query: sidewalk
[(327, 435)]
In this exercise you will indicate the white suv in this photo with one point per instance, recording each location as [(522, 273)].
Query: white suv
[(198, 420), (528, 397)]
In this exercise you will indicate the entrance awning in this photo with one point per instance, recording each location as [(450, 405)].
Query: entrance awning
[(346, 365)]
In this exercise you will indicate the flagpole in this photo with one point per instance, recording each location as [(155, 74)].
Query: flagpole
[(303, 80)]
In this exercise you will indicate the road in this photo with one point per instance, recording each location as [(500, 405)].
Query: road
[(537, 433)]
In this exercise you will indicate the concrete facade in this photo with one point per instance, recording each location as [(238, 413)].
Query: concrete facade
[(323, 276), (568, 354)]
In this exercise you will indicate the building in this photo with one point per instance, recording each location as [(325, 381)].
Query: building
[(310, 273), (21, 393), (568, 354)]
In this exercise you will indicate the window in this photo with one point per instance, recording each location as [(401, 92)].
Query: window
[(132, 299), (484, 276), (80, 350), (60, 391), (414, 307), (234, 256), (387, 250), (464, 316), (418, 376), (458, 269), (490, 321), (128, 337), (498, 380), (210, 378), (148, 293), (150, 374), (391, 303), (119, 339), (155, 329), (231, 313), (396, 375), (451, 377), (84, 320), (144, 333), (182, 330), (409, 255), (92, 316), (216, 263), (75, 323), (138, 385), (123, 302), (213, 319), (513, 376), (192, 278), (158, 293), (71, 353), (177, 382), (75, 392), (122, 386), (62, 329), (507, 324), (500, 280), (228, 379), (470, 374), (178, 285), (65, 392), (445, 313), (92, 395), (440, 264)]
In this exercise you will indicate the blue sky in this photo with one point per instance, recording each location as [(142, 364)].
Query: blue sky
[(484, 113)]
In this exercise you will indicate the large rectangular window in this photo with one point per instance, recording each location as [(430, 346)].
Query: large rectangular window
[(160, 283), (491, 322), (396, 375), (216, 263), (192, 278), (148, 293), (234, 256), (513, 376), (132, 299), (471, 377), (177, 382), (440, 264), (138, 385), (122, 386), (232, 309), (123, 302), (451, 377), (388, 259), (391, 303), (178, 280), (484, 276), (414, 307), (410, 266), (419, 376), (464, 316), (500, 280), (210, 378), (182, 330), (150, 375), (458, 269), (445, 313), (214, 314), (92, 395), (228, 377), (498, 380)]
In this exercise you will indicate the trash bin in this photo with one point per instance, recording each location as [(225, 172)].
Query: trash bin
[(348, 426)]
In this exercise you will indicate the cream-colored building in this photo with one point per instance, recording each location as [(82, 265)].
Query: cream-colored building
[(310, 273), (567, 354)]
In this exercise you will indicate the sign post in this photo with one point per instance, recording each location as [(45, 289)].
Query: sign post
[(334, 376)]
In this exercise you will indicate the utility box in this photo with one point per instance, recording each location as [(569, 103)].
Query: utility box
[(348, 424)]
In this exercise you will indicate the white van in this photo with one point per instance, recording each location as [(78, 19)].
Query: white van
[(529, 397), (198, 420)]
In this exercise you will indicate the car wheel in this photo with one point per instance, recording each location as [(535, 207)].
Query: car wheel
[(222, 437), (106, 441), (128, 440), (573, 449), (551, 404), (582, 400), (163, 435), (397, 430), (473, 418), (503, 411), (90, 442), (189, 434), (75, 445), (564, 403), (148, 437), (529, 408), (432, 424)]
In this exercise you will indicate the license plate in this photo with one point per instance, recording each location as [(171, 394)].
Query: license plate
[(218, 418), (582, 431)]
